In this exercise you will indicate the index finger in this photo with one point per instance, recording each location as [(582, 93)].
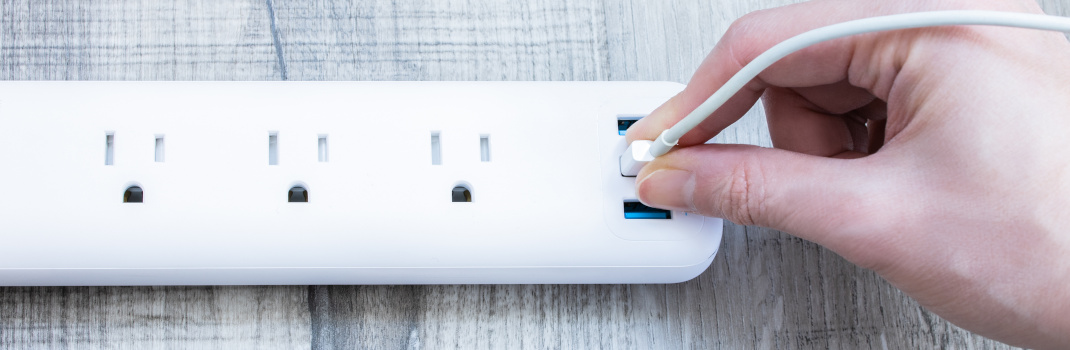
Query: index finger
[(748, 37)]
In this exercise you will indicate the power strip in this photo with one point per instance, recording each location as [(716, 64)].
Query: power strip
[(211, 183)]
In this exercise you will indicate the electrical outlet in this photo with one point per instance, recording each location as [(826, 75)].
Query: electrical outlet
[(178, 183)]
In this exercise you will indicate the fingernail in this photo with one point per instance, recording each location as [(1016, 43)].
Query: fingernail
[(668, 189)]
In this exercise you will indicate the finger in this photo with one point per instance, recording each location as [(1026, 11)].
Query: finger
[(837, 98), (874, 110), (806, 195), (870, 126), (748, 37), (876, 135), (797, 125), (663, 117), (856, 126)]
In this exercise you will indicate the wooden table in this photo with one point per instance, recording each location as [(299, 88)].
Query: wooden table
[(766, 289)]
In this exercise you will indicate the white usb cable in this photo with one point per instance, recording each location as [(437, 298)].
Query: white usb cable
[(631, 161)]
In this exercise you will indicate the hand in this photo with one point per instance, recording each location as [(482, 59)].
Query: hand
[(938, 157)]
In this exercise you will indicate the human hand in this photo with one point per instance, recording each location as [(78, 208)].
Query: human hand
[(938, 157)]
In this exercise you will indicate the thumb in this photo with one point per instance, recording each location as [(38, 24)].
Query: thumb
[(812, 197)]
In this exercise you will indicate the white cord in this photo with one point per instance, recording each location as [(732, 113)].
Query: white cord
[(670, 137)]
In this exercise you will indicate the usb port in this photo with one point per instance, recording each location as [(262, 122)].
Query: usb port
[(635, 210), (625, 121)]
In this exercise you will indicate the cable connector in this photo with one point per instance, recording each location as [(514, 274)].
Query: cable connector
[(661, 145), (635, 157)]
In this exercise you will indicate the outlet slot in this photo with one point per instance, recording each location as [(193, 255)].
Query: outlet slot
[(635, 210), (461, 194), (297, 194), (159, 148), (436, 149), (273, 148), (322, 143), (625, 121), (484, 148), (133, 194), (109, 149)]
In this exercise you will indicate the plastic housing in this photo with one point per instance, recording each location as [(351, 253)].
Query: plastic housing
[(546, 202)]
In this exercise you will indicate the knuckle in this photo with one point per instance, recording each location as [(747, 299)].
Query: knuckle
[(740, 37), (739, 29), (742, 197), (747, 22)]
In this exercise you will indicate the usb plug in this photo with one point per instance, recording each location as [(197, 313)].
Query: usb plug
[(635, 157)]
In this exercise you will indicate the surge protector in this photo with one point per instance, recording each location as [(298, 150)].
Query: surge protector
[(212, 183)]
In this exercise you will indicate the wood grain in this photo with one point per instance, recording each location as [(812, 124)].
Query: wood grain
[(766, 289), (154, 317)]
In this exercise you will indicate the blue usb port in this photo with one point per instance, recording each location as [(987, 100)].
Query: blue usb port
[(636, 210), (625, 121)]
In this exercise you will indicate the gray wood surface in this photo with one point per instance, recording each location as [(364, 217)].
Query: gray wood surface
[(766, 289)]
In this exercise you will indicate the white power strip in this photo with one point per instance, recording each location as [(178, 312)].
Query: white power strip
[(332, 183)]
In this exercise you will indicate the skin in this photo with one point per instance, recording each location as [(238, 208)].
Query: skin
[(936, 157)]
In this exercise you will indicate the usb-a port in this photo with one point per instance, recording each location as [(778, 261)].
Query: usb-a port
[(635, 210), (625, 121)]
